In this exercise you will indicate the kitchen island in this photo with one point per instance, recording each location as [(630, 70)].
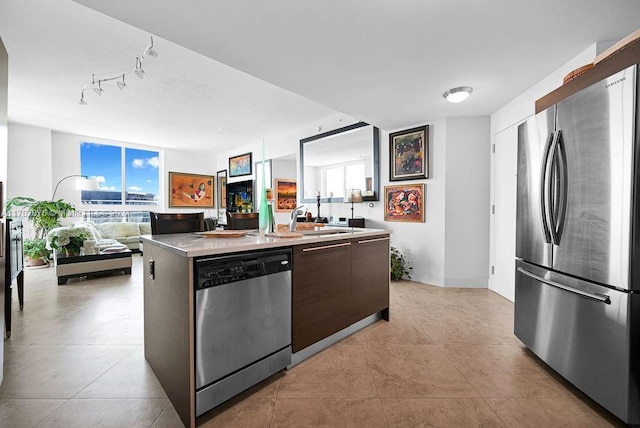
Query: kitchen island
[(339, 284)]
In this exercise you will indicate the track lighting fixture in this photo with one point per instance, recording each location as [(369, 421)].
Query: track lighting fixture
[(96, 85), (97, 90), (120, 84), (150, 51), (82, 101), (138, 70)]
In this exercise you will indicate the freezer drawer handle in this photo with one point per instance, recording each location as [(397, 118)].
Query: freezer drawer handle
[(595, 296)]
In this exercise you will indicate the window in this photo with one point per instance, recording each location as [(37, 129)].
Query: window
[(141, 177), (337, 178), (113, 166)]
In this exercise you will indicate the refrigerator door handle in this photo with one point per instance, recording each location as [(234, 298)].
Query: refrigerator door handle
[(594, 296), (544, 208), (562, 192), (556, 172)]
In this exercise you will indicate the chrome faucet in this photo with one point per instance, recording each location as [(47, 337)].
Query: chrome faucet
[(294, 214)]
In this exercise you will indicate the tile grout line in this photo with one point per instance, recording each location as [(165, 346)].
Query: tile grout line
[(363, 342)]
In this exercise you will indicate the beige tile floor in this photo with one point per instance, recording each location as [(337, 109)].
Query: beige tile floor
[(447, 358)]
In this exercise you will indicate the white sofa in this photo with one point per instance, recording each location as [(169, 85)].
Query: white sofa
[(124, 232)]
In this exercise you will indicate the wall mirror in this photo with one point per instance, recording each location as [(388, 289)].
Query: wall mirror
[(345, 158)]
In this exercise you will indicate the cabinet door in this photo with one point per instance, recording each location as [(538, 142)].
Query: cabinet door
[(369, 276), (15, 248), (321, 291)]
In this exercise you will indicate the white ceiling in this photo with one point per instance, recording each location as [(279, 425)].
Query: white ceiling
[(234, 72)]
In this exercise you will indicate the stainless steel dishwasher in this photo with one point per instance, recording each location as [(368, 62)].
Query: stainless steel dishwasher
[(243, 323)]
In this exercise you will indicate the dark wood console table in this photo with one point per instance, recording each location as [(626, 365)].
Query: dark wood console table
[(14, 270)]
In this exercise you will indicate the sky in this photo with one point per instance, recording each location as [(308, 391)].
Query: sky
[(105, 163)]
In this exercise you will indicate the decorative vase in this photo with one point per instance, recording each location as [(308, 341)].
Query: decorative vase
[(70, 253), (35, 262)]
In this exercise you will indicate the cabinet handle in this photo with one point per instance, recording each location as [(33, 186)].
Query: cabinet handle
[(326, 247), (365, 241)]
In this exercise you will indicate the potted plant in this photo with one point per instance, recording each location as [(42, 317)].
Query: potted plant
[(399, 267), (36, 252), (44, 215), (68, 239)]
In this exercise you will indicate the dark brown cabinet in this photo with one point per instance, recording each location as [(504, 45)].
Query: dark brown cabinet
[(369, 277), (321, 291), (336, 284), (15, 247), (14, 270), (355, 222)]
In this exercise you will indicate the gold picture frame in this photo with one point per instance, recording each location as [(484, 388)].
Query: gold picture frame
[(286, 192), (191, 190), (404, 203)]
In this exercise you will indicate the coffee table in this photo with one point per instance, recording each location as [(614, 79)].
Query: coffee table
[(77, 266)]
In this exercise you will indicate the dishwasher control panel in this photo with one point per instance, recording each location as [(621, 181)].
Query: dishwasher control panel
[(213, 271)]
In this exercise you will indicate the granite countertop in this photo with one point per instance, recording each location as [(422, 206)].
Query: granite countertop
[(193, 245)]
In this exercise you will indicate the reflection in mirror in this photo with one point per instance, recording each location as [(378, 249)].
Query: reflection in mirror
[(346, 158), (221, 190)]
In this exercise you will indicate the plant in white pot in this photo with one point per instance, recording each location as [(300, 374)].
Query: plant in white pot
[(67, 239), (44, 216)]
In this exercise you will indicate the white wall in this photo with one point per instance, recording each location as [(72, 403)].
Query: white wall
[(189, 162), (423, 244), (39, 158), (457, 199), (31, 162), (467, 202)]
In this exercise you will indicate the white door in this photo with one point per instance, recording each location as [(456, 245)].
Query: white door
[(503, 238)]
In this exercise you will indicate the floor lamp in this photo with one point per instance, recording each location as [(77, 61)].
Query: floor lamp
[(82, 183)]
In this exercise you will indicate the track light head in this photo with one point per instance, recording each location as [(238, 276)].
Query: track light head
[(82, 101), (98, 90), (139, 71), (150, 51), (120, 84)]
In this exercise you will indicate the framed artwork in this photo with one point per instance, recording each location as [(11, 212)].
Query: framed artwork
[(286, 194), (221, 177), (404, 203), (409, 154), (240, 165), (190, 190)]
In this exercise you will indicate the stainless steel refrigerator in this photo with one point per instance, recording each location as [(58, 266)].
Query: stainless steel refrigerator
[(577, 297)]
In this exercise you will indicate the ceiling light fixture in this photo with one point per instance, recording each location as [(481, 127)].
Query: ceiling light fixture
[(97, 90), (457, 95), (120, 84), (138, 70), (82, 101), (119, 78), (150, 51)]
